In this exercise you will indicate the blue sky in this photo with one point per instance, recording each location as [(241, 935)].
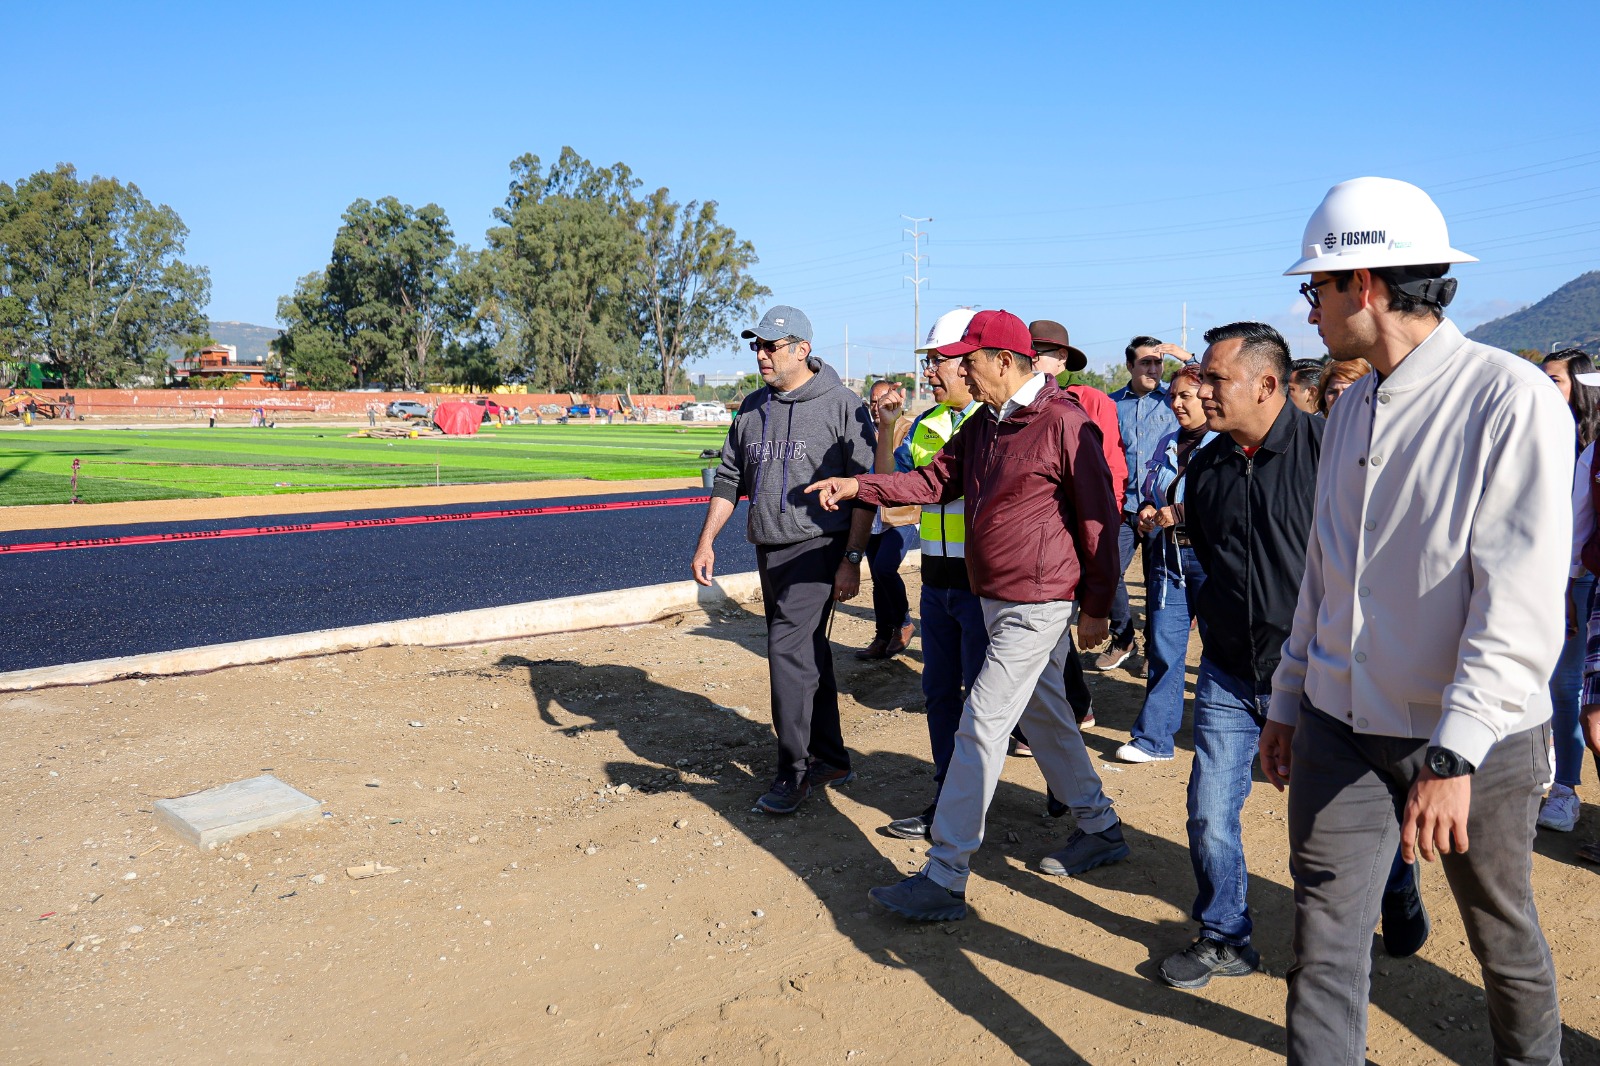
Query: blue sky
[(1097, 165)]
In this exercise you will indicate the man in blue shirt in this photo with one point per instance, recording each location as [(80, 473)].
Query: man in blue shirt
[(1145, 418)]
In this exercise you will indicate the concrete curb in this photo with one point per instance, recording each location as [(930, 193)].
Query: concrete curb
[(599, 610)]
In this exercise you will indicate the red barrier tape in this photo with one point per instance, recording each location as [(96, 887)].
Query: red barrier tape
[(354, 523)]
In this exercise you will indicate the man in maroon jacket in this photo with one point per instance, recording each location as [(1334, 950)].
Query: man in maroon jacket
[(1041, 541)]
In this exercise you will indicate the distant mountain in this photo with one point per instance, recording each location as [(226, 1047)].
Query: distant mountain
[(1567, 318), (251, 340)]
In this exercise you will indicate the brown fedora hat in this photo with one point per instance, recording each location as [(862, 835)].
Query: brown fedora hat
[(1054, 335)]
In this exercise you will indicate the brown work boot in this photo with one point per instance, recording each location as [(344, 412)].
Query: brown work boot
[(878, 649), (900, 640), (1114, 656)]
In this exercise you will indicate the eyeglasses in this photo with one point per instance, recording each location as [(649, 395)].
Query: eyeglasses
[(1309, 291), (769, 346), (933, 362)]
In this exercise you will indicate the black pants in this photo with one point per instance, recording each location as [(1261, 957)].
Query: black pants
[(1077, 687), (797, 590), (885, 552)]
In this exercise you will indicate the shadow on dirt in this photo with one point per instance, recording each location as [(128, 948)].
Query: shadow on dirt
[(677, 736)]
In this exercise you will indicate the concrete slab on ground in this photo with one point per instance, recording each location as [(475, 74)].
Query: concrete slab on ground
[(228, 812)]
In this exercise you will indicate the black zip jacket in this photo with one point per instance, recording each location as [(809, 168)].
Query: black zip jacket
[(1249, 519)]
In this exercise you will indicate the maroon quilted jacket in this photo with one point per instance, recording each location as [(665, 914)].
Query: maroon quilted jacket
[(1041, 516)]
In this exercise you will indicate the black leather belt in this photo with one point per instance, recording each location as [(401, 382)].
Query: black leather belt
[(1180, 538)]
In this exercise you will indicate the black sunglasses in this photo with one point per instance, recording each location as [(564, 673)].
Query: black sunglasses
[(1309, 291), (768, 346)]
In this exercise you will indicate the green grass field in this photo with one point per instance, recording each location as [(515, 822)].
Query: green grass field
[(158, 464)]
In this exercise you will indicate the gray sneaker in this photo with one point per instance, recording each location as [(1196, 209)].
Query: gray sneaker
[(921, 900), (783, 797), (1197, 964), (1084, 851)]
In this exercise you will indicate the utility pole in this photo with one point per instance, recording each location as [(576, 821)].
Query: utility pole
[(916, 279), (847, 355), (1184, 343)]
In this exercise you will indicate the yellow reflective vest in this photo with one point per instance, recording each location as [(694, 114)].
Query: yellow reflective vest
[(944, 526)]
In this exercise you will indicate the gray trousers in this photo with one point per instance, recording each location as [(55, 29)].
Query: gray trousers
[(1347, 790), (1022, 680)]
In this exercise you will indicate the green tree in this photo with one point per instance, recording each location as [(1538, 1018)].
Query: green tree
[(694, 283), (390, 283), (1107, 379), (385, 304), (317, 358), (92, 277), (559, 271), (312, 342)]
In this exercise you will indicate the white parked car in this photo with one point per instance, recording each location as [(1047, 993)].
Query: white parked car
[(705, 411)]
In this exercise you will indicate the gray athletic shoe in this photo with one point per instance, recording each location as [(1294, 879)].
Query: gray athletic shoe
[(1197, 964), (1084, 851), (783, 797), (921, 900)]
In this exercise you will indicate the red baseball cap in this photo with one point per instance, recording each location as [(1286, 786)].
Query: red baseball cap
[(992, 329)]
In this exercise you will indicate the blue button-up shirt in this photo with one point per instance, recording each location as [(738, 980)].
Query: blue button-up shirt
[(1145, 421)]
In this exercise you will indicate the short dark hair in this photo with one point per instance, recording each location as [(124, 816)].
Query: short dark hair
[(1410, 293), (1303, 371), (1132, 351), (1264, 346)]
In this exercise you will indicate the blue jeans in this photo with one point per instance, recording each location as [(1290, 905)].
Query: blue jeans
[(1228, 712), (885, 552), (1566, 687), (1166, 644), (1121, 611), (955, 642)]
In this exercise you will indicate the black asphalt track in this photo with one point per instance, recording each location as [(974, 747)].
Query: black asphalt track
[(95, 603)]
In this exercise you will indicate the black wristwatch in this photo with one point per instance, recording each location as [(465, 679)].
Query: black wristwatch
[(1446, 763), (855, 556)]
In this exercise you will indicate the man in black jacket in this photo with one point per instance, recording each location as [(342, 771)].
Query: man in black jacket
[(1249, 501), (1247, 510)]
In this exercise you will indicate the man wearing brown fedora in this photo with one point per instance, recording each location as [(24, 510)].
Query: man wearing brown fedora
[(1057, 356)]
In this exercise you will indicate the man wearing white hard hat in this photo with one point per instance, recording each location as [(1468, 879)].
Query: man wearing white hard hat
[(954, 637), (1411, 707)]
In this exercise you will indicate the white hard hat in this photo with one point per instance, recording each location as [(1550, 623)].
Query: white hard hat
[(948, 330), (1375, 222)]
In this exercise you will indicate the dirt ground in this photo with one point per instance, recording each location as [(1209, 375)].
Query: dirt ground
[(579, 878)]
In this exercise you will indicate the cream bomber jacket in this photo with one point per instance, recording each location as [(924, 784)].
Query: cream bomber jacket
[(1432, 603)]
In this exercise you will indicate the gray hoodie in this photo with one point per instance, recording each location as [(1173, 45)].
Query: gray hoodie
[(780, 442)]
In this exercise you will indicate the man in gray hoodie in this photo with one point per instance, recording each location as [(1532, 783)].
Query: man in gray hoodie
[(803, 427)]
